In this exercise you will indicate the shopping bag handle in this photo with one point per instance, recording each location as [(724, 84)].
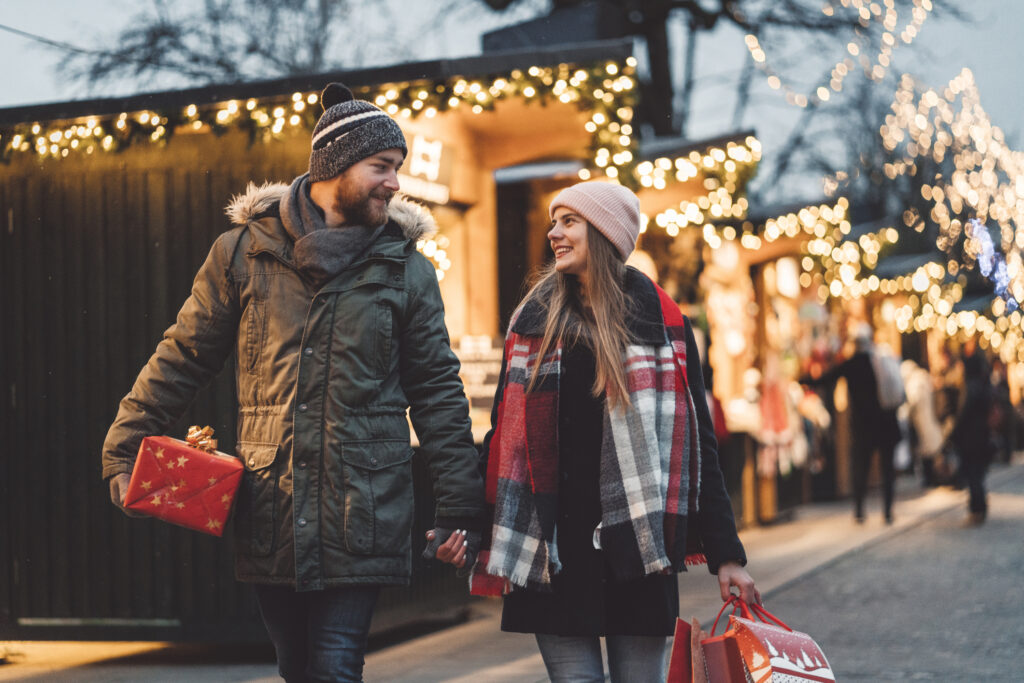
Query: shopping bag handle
[(737, 604), (767, 617), (748, 611)]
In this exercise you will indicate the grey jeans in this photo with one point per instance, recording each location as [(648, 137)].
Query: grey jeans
[(577, 659)]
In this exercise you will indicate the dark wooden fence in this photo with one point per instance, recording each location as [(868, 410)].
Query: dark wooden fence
[(97, 253)]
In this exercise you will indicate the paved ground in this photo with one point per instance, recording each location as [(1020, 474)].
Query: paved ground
[(924, 599), (941, 602)]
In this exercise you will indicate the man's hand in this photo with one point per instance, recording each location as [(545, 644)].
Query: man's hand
[(118, 490), (732, 574), (456, 547)]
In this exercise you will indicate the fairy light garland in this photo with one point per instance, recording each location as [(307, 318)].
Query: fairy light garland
[(873, 18), (607, 90), (975, 181), (821, 224)]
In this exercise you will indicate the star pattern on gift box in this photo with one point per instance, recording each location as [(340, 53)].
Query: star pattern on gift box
[(176, 483)]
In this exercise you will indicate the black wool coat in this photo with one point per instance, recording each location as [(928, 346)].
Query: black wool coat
[(585, 600)]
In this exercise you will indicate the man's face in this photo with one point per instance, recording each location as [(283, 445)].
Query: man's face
[(363, 190)]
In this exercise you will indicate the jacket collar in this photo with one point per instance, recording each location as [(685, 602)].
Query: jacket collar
[(643, 312), (258, 208)]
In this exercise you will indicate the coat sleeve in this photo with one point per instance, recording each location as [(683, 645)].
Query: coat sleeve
[(192, 352), (715, 521), (429, 374)]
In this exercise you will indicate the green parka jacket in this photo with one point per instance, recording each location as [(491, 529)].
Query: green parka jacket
[(324, 379)]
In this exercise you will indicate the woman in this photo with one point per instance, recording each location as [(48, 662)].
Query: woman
[(601, 464)]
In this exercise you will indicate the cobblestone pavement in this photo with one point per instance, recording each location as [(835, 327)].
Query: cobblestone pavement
[(940, 601)]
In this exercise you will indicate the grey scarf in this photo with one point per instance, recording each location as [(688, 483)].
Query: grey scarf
[(320, 252)]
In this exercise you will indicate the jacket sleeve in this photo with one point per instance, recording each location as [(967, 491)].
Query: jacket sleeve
[(715, 521), (191, 353), (429, 374)]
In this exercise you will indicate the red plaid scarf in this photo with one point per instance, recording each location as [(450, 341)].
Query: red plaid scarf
[(650, 465)]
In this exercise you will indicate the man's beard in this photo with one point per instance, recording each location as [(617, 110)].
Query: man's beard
[(362, 209)]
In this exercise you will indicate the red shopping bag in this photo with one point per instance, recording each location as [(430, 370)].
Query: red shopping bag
[(772, 651), (697, 658), (750, 651)]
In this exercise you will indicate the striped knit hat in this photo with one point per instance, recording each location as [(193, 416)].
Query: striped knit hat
[(349, 131), (612, 209)]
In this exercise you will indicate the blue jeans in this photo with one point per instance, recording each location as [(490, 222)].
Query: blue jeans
[(319, 635), (577, 659)]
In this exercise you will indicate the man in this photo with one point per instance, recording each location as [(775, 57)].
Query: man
[(872, 426), (338, 326)]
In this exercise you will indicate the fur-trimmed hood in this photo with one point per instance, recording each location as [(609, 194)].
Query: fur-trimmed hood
[(414, 219)]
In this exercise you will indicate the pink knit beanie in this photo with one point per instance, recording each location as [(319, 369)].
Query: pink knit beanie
[(612, 209)]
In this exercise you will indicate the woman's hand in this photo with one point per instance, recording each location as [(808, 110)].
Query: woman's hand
[(732, 574), (459, 549)]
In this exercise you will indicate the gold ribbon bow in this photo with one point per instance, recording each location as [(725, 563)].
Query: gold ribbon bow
[(201, 438)]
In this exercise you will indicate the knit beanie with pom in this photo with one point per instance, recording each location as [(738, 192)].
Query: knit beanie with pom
[(349, 131)]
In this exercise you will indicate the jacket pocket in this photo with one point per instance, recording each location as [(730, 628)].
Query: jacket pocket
[(254, 326), (256, 523), (378, 497)]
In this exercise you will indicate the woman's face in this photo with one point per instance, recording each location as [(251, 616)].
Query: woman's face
[(568, 237)]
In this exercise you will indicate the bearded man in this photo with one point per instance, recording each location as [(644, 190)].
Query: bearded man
[(338, 327)]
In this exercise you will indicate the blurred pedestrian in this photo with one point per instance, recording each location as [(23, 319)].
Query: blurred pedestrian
[(601, 464), (1002, 415), (928, 437), (873, 427), (972, 433), (339, 328)]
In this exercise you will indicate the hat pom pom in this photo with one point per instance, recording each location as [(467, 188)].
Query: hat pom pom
[(335, 93)]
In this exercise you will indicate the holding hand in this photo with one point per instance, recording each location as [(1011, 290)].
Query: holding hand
[(732, 574), (118, 490), (456, 547)]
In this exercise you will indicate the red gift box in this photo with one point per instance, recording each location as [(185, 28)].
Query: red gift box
[(178, 483)]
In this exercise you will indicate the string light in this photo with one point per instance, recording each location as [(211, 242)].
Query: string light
[(606, 90), (876, 27), (436, 249), (974, 180)]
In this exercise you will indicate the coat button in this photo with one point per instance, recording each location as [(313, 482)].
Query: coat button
[(397, 278), (302, 521), (252, 462), (308, 351), (303, 407), (373, 461), (302, 464)]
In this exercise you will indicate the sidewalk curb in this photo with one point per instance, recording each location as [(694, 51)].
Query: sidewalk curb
[(1010, 473)]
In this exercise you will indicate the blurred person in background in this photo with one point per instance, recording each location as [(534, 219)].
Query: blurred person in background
[(873, 428), (928, 437), (972, 433)]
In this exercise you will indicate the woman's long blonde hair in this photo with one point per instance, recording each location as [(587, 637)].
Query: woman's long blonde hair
[(599, 321)]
